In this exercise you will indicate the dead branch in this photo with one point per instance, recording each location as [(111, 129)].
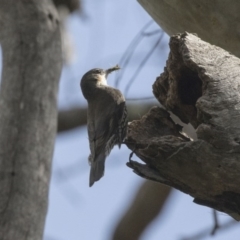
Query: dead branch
[(201, 85)]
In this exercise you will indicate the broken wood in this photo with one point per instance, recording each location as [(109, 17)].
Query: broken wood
[(201, 85)]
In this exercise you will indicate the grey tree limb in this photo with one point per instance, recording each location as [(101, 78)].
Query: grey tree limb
[(201, 85), (32, 61), (146, 205), (216, 22), (72, 118), (77, 117)]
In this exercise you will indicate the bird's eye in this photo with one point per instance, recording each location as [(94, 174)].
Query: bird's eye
[(98, 71)]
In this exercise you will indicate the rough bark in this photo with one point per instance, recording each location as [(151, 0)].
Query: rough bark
[(31, 47), (147, 204), (216, 22), (201, 85)]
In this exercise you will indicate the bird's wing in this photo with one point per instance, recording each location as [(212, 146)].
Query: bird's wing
[(107, 129), (122, 123), (103, 130)]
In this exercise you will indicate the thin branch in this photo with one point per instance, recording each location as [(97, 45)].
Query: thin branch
[(216, 225), (207, 232), (148, 34), (130, 51), (138, 70)]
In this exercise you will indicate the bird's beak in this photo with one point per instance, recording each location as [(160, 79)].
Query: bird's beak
[(115, 68)]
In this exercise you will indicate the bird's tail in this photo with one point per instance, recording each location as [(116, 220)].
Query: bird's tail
[(97, 171)]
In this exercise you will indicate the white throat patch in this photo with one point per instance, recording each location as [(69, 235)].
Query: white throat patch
[(103, 80)]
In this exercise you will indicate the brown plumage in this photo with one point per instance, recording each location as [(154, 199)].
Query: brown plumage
[(107, 118)]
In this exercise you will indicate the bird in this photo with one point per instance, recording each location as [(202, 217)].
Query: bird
[(106, 118)]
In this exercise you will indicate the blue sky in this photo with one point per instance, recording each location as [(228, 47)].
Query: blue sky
[(75, 210)]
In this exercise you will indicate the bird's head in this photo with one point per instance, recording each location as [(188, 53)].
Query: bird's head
[(94, 78)]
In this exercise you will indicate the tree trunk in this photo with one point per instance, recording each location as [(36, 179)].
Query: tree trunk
[(31, 47), (201, 85), (216, 22)]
